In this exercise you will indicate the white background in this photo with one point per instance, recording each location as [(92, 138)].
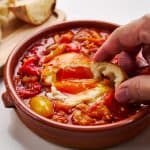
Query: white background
[(13, 134)]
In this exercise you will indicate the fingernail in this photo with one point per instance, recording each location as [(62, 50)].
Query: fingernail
[(122, 95)]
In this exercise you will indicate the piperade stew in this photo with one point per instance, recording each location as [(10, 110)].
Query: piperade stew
[(54, 78)]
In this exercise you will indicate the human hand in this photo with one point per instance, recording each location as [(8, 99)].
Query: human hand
[(129, 38)]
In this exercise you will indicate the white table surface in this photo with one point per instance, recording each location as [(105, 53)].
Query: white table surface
[(14, 135)]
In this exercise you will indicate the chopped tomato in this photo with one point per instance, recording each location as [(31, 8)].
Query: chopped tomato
[(29, 66), (91, 36), (99, 111), (61, 117), (60, 106), (82, 35), (83, 107), (72, 47), (30, 90), (118, 111), (80, 118), (64, 38), (74, 73), (96, 41), (58, 49), (74, 87), (109, 98), (29, 69), (29, 79), (95, 34), (32, 59), (49, 49)]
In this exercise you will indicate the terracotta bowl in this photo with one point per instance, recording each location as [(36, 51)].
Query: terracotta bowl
[(85, 137)]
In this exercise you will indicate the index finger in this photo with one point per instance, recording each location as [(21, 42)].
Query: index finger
[(125, 38), (110, 48)]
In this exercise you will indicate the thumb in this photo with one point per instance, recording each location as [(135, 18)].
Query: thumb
[(136, 89)]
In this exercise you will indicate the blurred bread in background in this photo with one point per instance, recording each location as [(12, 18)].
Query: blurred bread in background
[(34, 12)]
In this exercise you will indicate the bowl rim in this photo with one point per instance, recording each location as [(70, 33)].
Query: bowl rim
[(19, 103)]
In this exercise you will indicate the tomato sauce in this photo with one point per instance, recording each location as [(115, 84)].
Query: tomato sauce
[(54, 79)]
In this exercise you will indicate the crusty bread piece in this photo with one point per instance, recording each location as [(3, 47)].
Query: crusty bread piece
[(33, 11), (3, 15), (3, 12), (109, 70)]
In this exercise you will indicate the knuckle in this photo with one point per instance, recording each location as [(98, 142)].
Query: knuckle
[(146, 18), (144, 29), (144, 36), (138, 89), (118, 31)]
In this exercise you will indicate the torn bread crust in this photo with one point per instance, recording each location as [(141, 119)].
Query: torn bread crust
[(34, 11), (109, 70), (3, 12), (3, 15), (11, 2)]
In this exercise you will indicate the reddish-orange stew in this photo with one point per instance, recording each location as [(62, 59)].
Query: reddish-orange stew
[(55, 80)]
